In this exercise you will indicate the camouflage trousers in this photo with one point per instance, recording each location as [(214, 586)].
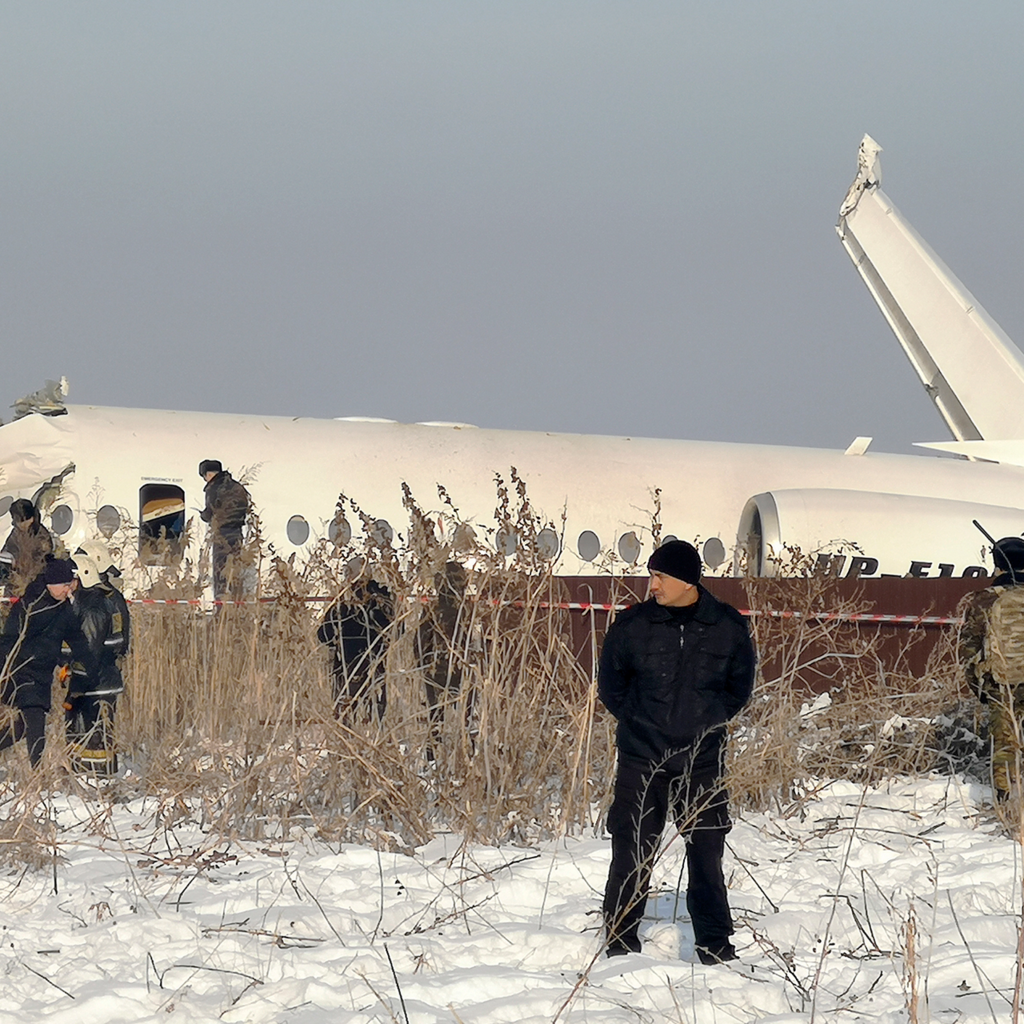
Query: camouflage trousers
[(1005, 719)]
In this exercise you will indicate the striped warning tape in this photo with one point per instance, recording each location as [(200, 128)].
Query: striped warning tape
[(584, 606)]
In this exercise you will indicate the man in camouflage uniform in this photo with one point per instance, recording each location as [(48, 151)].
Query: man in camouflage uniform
[(1005, 696), (227, 506), (23, 556)]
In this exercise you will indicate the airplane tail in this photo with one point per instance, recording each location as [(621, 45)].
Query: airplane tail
[(971, 370)]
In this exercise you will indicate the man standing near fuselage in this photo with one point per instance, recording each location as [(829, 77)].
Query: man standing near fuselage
[(673, 671), (227, 505)]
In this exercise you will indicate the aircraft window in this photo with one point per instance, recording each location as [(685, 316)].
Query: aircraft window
[(161, 523), (297, 530), (465, 538), (61, 519), (506, 540), (629, 547), (668, 538), (714, 552), (5, 504), (339, 532), (547, 543), (108, 519), (588, 545), (381, 532)]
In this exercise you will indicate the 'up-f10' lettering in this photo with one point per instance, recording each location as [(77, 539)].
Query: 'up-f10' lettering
[(860, 565)]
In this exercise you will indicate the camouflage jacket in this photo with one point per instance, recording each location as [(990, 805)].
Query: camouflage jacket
[(971, 647), (227, 504), (23, 556)]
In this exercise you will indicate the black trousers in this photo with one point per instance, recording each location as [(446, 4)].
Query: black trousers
[(688, 787), (30, 724)]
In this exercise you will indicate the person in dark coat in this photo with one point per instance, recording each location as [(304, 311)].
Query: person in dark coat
[(442, 642), (673, 671), (102, 613), (23, 556), (227, 505), (30, 650), (357, 633)]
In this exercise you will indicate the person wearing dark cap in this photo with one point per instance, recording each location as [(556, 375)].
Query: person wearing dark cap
[(227, 505), (991, 652), (24, 552), (673, 670), (31, 649)]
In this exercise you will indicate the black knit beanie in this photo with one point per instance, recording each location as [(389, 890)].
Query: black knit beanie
[(678, 559), (60, 570)]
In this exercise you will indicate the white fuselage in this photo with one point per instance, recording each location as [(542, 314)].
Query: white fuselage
[(298, 467)]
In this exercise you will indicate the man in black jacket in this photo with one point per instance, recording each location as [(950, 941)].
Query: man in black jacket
[(30, 649), (673, 671), (227, 505), (357, 633)]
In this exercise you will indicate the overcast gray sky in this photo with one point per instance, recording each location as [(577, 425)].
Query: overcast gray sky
[(593, 217)]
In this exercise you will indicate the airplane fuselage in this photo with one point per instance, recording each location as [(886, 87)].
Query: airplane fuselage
[(605, 486)]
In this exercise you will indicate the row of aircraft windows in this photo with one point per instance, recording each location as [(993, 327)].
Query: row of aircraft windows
[(162, 516)]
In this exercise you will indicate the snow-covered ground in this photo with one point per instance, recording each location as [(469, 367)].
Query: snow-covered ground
[(147, 923)]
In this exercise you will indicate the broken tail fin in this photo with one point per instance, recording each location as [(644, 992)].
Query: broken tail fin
[(971, 370)]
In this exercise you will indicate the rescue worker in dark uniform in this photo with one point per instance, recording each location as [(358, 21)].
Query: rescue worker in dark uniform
[(673, 671), (227, 505), (102, 613), (23, 556), (998, 680), (31, 649), (357, 633)]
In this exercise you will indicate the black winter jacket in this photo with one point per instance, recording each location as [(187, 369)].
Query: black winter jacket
[(102, 612), (356, 631), (669, 687), (30, 648)]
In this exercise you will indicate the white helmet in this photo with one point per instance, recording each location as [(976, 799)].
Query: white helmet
[(95, 554), (89, 573)]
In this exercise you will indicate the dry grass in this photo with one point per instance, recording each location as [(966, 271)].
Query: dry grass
[(828, 704), (228, 715)]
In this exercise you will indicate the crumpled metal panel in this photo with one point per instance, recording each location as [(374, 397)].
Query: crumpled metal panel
[(34, 449), (48, 400)]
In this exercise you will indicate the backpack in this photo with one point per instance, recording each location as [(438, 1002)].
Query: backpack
[(1004, 637)]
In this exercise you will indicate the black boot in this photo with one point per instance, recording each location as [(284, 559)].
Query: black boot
[(718, 953), (621, 945)]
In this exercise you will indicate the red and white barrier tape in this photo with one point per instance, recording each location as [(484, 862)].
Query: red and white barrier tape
[(584, 606)]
